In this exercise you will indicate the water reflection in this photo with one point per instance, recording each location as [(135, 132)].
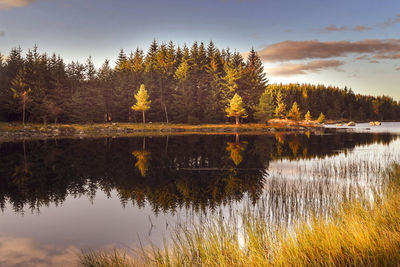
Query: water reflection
[(142, 158), (200, 172), (236, 150), (22, 251)]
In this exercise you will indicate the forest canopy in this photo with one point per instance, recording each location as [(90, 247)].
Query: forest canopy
[(185, 85)]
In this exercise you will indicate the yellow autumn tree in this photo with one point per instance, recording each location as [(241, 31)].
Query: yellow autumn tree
[(142, 101), (280, 110), (321, 118), (236, 109), (294, 112), (307, 117)]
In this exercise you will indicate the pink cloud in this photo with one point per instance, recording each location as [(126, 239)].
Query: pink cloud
[(360, 28), (309, 67), (297, 50), (15, 3)]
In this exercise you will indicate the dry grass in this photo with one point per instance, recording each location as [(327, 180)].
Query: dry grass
[(359, 233), (100, 259)]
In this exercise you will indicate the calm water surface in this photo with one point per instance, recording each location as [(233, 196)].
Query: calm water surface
[(60, 196)]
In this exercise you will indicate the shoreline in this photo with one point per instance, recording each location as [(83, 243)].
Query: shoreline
[(16, 132)]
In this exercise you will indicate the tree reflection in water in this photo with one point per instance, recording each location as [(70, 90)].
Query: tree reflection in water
[(197, 171), (142, 158)]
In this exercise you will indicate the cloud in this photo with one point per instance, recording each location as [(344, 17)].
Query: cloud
[(391, 22), (334, 28), (297, 50), (363, 57), (360, 28), (21, 251), (15, 3), (387, 56), (298, 69)]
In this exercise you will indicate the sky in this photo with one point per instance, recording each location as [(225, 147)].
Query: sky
[(353, 43)]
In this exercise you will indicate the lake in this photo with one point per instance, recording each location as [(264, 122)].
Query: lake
[(59, 196)]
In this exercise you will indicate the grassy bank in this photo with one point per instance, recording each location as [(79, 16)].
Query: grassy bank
[(360, 233), (16, 131), (12, 127)]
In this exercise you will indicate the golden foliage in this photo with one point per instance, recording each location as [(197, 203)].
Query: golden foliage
[(236, 150), (142, 162), (142, 98)]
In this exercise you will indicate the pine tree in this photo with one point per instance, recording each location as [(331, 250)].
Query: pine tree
[(281, 107), (294, 112), (21, 91), (307, 117), (321, 118), (229, 83), (265, 108), (236, 108), (122, 62), (183, 94), (143, 102), (105, 77), (253, 81)]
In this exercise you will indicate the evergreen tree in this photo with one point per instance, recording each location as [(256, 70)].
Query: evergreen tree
[(182, 94), (265, 107), (236, 108), (228, 84), (294, 112), (253, 81), (142, 101), (20, 90), (105, 76), (185, 85)]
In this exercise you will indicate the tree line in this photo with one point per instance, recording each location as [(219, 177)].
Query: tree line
[(185, 84)]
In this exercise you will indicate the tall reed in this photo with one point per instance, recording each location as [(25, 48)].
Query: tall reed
[(358, 233)]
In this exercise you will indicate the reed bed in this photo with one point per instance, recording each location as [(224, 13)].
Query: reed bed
[(358, 232)]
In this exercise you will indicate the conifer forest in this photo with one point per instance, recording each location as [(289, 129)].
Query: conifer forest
[(185, 84)]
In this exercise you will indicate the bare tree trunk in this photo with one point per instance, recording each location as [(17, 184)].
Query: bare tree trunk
[(23, 110), (144, 120), (165, 111), (237, 120)]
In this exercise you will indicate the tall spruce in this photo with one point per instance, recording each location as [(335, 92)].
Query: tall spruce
[(265, 108)]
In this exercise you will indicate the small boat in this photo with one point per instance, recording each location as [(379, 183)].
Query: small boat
[(339, 124), (352, 123), (371, 123), (377, 123)]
